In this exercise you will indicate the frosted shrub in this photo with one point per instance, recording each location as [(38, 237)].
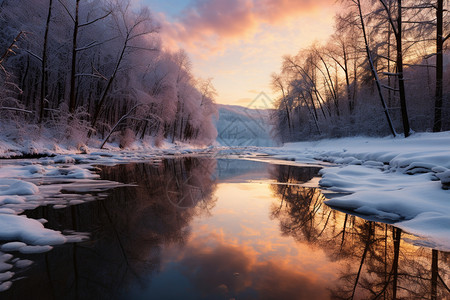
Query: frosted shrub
[(127, 137), (71, 128)]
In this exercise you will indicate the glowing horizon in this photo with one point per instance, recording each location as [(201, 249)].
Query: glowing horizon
[(239, 43)]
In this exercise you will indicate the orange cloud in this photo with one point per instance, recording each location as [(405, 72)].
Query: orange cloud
[(215, 267), (211, 24)]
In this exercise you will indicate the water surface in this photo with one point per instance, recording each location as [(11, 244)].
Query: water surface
[(198, 228)]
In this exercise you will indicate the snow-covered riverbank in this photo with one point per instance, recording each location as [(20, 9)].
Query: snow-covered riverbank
[(403, 181), (394, 180), (63, 176)]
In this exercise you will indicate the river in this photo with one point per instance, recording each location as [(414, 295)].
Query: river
[(204, 228)]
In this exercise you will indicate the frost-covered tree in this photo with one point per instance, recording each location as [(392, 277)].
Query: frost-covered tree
[(334, 88), (97, 66)]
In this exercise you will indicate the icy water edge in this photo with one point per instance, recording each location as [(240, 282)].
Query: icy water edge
[(199, 228)]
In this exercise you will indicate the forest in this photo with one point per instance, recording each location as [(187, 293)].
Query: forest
[(73, 70), (385, 70)]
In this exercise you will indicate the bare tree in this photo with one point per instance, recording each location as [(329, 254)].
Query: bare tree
[(374, 71), (396, 25), (44, 63), (73, 68), (440, 40), (130, 27)]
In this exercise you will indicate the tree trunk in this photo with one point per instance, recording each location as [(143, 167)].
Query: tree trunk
[(374, 72), (434, 273), (104, 95), (437, 125), (44, 64), (401, 81), (397, 238), (351, 105), (72, 97)]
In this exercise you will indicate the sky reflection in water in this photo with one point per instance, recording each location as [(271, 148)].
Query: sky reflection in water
[(200, 228)]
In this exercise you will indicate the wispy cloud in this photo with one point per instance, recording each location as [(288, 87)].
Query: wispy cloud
[(212, 24)]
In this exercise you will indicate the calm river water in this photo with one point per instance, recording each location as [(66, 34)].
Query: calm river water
[(199, 228)]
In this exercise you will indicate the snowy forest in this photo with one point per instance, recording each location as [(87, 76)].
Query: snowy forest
[(385, 70), (76, 69)]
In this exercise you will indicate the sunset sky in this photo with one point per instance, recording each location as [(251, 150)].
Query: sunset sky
[(239, 43)]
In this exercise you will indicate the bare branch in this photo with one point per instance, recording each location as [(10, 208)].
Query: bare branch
[(67, 10), (10, 50), (418, 65), (90, 75), (390, 88), (390, 19), (143, 48), (95, 44), (34, 55), (423, 6), (445, 38), (16, 109), (420, 22), (142, 33), (387, 58), (93, 21)]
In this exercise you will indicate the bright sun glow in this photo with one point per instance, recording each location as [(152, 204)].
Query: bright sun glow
[(240, 43)]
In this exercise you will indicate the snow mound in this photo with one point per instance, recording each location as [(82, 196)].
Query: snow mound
[(17, 187), (29, 231)]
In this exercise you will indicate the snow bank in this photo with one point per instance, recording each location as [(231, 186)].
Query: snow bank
[(21, 228), (17, 187), (396, 180)]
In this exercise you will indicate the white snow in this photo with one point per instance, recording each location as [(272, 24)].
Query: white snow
[(23, 263), (13, 227), (12, 246), (398, 180), (17, 187)]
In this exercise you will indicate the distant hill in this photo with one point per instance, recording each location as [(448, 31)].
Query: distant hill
[(241, 126)]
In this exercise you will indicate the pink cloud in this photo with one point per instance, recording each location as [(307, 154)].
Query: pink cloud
[(211, 24)]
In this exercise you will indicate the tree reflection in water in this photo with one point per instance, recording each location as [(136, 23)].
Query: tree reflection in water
[(128, 230), (375, 262)]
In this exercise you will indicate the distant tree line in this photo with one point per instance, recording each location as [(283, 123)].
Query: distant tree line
[(384, 70), (82, 68)]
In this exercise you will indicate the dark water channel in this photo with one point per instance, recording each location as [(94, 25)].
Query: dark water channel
[(198, 228)]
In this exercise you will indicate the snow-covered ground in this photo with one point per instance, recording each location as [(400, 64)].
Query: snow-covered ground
[(401, 181)]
